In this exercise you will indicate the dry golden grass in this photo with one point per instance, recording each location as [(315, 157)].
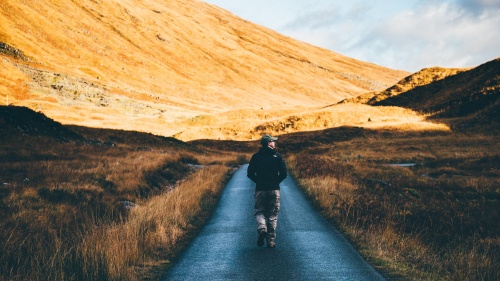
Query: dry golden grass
[(252, 124), (153, 231), (125, 250), (191, 69), (12, 84), (437, 220), (63, 203), (471, 92), (434, 221)]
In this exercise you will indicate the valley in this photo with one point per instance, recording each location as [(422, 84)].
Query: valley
[(122, 121)]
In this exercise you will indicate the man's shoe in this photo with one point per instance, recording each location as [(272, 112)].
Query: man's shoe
[(271, 244), (260, 240)]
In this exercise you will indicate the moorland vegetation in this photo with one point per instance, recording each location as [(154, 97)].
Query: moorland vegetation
[(432, 218), (150, 65), (418, 205), (88, 204)]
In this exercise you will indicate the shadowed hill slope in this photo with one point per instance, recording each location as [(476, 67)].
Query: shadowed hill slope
[(468, 100), (18, 122), (145, 65), (423, 77), (23, 125), (465, 99), (454, 96)]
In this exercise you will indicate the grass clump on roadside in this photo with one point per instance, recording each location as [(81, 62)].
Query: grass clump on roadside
[(154, 231)]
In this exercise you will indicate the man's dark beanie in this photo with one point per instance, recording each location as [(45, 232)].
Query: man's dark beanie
[(266, 139)]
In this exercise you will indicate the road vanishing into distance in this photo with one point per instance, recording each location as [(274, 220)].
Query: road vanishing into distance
[(307, 246)]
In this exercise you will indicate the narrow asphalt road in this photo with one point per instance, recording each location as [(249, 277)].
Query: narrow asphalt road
[(307, 246)]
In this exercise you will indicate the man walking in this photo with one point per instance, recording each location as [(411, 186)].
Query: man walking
[(267, 169)]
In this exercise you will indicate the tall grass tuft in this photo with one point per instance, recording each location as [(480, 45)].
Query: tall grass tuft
[(153, 231)]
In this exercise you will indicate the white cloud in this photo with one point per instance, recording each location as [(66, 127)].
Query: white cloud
[(444, 34), (335, 27), (408, 35), (326, 17)]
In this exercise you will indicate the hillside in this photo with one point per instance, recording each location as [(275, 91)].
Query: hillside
[(464, 99), (148, 65), (423, 77), (23, 125), (469, 98)]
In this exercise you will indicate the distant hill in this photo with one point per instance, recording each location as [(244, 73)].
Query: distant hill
[(455, 95), (23, 125), (148, 65), (421, 78), (472, 96)]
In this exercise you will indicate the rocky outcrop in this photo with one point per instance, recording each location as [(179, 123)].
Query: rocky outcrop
[(10, 51)]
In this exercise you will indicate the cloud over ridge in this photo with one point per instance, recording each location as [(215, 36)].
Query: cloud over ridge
[(407, 35)]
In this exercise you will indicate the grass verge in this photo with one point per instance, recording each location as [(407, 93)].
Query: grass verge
[(113, 205), (436, 220)]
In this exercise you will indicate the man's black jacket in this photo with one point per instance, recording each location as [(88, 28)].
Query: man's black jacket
[(267, 169)]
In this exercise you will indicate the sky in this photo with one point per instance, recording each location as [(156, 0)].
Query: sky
[(399, 34)]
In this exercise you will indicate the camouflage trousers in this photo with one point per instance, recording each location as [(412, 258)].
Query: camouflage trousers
[(267, 208)]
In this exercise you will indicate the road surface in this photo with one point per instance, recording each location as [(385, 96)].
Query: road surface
[(307, 246)]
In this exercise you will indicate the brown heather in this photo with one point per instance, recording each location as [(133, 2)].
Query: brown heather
[(64, 220), (437, 220), (63, 204)]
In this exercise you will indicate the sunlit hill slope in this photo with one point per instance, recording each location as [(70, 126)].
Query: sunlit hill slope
[(151, 65)]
